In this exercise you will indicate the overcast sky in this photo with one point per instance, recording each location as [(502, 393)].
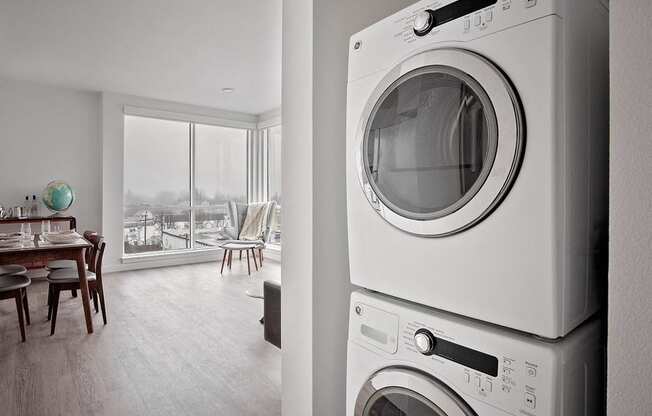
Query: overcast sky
[(157, 158)]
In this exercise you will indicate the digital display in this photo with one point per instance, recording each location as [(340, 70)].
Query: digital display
[(373, 333), (458, 9), (468, 357)]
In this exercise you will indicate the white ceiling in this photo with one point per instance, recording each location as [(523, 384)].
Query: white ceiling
[(177, 50)]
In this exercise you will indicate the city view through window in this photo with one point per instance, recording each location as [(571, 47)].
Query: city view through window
[(167, 162), (274, 135)]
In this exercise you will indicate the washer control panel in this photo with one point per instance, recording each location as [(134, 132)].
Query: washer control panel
[(507, 370), (501, 379)]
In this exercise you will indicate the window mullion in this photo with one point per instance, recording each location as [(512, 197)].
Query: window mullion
[(192, 183)]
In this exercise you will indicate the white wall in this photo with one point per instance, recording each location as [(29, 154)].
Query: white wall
[(297, 185), (315, 260), (630, 255), (49, 133)]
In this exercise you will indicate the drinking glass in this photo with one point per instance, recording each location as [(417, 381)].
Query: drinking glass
[(45, 227), (26, 230)]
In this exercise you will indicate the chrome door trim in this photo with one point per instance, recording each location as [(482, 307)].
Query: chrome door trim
[(509, 151), (442, 397)]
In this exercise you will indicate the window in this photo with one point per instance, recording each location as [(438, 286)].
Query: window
[(274, 137), (178, 178), (220, 177)]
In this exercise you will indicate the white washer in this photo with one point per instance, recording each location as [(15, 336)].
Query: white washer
[(407, 360), (477, 159)]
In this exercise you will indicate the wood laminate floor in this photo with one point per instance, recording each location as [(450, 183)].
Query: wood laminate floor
[(179, 341)]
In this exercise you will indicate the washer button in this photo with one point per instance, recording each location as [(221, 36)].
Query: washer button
[(488, 386), (531, 371), (467, 24), (467, 377), (477, 19), (477, 381), (530, 3), (489, 16), (530, 400)]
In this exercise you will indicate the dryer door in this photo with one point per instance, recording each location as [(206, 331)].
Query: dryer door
[(440, 142), (405, 392)]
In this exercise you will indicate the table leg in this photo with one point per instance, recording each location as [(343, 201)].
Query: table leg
[(83, 284)]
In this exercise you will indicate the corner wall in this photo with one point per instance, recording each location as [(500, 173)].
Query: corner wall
[(630, 251)]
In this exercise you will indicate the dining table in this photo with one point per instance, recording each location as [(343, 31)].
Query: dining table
[(40, 251)]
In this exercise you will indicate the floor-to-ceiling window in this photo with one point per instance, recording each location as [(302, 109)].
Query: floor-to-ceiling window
[(178, 178), (274, 137), (220, 177)]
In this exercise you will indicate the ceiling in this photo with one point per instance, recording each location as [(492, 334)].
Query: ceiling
[(176, 50)]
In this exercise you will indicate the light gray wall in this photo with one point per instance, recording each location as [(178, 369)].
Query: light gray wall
[(630, 252), (297, 180), (315, 260), (49, 133)]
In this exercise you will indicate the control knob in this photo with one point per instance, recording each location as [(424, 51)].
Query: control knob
[(424, 22), (424, 341)]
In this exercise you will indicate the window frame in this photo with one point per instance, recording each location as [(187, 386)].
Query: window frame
[(251, 130)]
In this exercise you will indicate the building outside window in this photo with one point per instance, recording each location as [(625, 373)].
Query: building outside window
[(178, 179), (274, 139)]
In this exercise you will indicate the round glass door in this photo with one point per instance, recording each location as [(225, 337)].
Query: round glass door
[(441, 140), (430, 142), (405, 392), (396, 401)]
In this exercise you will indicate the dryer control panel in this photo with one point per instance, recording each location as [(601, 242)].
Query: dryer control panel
[(431, 22)]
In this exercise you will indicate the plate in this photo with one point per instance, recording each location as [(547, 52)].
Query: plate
[(10, 244)]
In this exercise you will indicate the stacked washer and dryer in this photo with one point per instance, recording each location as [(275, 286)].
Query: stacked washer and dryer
[(477, 190)]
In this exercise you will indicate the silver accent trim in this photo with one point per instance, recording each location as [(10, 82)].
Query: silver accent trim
[(432, 392), (509, 150)]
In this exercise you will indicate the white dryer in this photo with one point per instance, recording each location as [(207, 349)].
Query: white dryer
[(407, 360), (477, 143)]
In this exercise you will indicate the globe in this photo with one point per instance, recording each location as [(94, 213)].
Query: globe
[(58, 196)]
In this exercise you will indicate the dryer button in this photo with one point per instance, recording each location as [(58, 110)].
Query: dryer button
[(530, 3)]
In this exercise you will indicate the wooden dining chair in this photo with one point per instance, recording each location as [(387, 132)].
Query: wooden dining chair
[(15, 287), (68, 279), (72, 264), (13, 270)]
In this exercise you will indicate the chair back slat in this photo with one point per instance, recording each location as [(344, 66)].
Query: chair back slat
[(98, 264), (88, 235), (95, 239)]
